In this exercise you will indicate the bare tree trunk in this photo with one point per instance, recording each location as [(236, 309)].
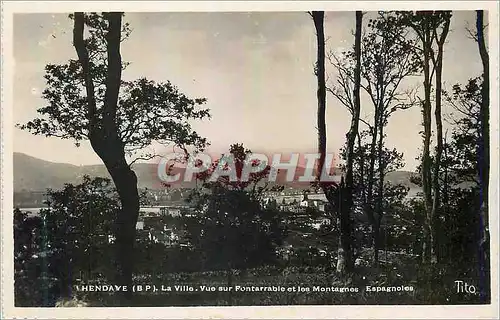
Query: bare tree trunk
[(439, 144), (351, 140), (318, 18), (484, 156), (345, 261), (353, 131), (125, 181), (446, 186), (361, 163), (426, 159), (484, 164), (376, 242), (368, 206), (380, 209)]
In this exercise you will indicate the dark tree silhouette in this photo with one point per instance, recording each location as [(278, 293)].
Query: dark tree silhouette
[(88, 100), (339, 196), (231, 228), (463, 162), (387, 59), (347, 205), (70, 240), (438, 65), (484, 144), (332, 191), (431, 29)]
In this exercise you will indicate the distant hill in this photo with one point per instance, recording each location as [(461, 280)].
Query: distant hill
[(33, 174), (403, 177)]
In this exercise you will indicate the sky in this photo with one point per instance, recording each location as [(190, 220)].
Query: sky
[(255, 69)]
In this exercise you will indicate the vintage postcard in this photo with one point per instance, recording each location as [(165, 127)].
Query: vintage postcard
[(291, 159)]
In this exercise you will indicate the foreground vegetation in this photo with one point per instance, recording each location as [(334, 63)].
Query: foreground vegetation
[(435, 288)]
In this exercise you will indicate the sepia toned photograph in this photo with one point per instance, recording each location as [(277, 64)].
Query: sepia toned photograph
[(250, 158)]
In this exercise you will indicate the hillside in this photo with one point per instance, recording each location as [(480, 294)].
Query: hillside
[(33, 174)]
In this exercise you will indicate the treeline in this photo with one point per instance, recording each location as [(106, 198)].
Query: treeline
[(453, 174)]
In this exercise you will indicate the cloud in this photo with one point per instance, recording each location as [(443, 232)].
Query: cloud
[(256, 69)]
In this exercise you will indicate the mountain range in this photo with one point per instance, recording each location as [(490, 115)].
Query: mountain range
[(33, 174)]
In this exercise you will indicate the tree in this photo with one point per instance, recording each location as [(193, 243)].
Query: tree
[(387, 59), (27, 261), (459, 183), (466, 134), (70, 240), (424, 33), (231, 228), (390, 160), (346, 208), (88, 100), (79, 224), (464, 174), (438, 65), (426, 25), (339, 196), (484, 146)]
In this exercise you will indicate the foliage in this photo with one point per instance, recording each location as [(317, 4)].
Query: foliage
[(70, 240), (391, 160), (462, 151), (28, 263), (231, 227), (387, 59), (458, 217)]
